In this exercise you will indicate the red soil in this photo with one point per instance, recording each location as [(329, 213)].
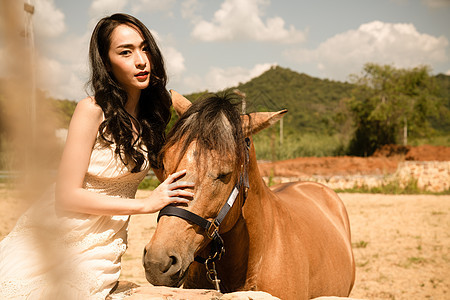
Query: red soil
[(384, 161)]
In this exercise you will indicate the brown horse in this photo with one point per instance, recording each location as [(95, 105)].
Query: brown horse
[(292, 241)]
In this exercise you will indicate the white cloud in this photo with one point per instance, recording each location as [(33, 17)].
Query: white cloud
[(151, 5), (62, 80), (384, 43), (48, 21), (174, 61), (63, 66), (436, 3), (100, 8), (71, 48), (189, 10), (243, 20), (219, 79)]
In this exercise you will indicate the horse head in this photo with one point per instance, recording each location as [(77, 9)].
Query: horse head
[(209, 141)]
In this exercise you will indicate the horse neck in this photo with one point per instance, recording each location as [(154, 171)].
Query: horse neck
[(232, 268), (242, 242), (258, 193)]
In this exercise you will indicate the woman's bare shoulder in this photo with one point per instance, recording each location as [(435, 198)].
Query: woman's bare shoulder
[(87, 115), (89, 109), (89, 105)]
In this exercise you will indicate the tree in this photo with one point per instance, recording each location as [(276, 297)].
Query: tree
[(387, 103)]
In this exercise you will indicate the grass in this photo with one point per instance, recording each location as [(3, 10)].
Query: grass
[(269, 147), (362, 264), (413, 260), (436, 140), (393, 188), (416, 260), (360, 244)]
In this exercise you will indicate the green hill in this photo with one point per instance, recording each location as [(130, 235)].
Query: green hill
[(311, 102)]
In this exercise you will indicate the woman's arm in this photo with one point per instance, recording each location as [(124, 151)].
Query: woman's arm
[(75, 161)]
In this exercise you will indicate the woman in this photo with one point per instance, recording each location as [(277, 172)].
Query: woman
[(114, 138)]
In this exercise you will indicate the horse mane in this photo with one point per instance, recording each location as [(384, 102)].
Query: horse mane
[(214, 123)]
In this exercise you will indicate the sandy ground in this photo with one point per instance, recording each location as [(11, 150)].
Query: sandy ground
[(401, 243)]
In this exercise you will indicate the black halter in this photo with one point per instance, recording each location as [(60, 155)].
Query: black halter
[(212, 227)]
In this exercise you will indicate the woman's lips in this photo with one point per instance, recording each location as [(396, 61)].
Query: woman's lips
[(142, 75)]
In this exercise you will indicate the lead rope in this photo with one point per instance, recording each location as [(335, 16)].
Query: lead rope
[(211, 274)]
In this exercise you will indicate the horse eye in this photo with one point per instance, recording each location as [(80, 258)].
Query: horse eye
[(224, 176)]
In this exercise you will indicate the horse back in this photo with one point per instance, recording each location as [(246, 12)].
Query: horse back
[(314, 227), (303, 196)]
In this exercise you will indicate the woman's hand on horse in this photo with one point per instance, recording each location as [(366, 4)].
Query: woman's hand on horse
[(171, 190)]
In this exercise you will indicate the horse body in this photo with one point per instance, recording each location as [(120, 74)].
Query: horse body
[(292, 241)]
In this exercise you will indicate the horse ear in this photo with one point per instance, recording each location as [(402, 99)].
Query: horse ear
[(179, 102), (255, 122)]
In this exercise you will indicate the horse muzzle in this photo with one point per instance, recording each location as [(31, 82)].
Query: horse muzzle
[(163, 267), (170, 252)]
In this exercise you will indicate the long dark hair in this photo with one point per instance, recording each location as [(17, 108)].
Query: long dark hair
[(154, 103)]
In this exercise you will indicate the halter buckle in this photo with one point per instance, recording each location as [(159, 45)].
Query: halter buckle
[(212, 229)]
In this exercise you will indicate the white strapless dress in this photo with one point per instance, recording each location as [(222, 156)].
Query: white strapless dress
[(54, 255)]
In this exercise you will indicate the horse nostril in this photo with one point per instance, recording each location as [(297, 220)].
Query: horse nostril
[(160, 263), (170, 265), (174, 260), (143, 256)]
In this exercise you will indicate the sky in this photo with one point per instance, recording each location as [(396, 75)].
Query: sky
[(214, 44)]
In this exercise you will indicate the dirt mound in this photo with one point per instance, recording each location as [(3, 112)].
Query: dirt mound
[(384, 161), (392, 150), (429, 153), (419, 153), (327, 166)]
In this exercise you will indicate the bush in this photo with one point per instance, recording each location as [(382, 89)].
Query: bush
[(149, 183), (268, 147)]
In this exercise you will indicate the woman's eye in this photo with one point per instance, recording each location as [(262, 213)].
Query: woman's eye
[(145, 49), (125, 52)]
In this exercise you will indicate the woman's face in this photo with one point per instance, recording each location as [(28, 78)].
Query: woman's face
[(129, 59)]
